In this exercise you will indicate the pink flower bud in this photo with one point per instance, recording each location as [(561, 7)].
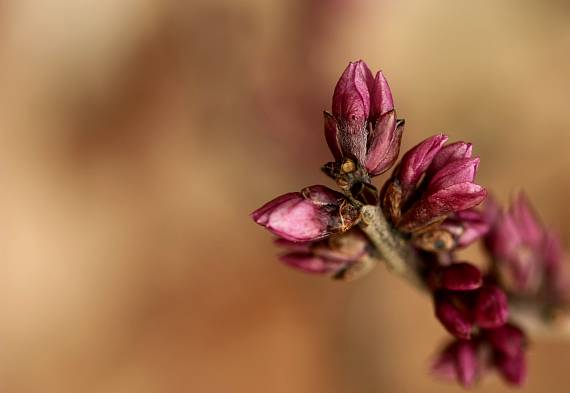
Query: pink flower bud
[(459, 361), (466, 226), (530, 228), (332, 256), (527, 256), (310, 263), (454, 315), (313, 214), (461, 276), (363, 125), (491, 307), (512, 368), (507, 339), (351, 108), (351, 99)]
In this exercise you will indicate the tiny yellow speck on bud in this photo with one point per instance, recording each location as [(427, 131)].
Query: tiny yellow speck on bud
[(348, 166)]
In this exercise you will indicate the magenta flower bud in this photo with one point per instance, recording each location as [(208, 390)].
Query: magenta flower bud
[(351, 99), (527, 257), (337, 255), (461, 276), (363, 123), (313, 214), (351, 108), (466, 226), (311, 263), (507, 339), (459, 361), (454, 315), (512, 368), (491, 307), (530, 228), (417, 160)]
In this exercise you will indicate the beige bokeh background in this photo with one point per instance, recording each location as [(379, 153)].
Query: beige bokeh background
[(137, 135)]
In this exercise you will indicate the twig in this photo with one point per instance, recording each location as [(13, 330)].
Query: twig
[(401, 259)]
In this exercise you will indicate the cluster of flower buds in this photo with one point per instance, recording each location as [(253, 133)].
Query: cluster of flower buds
[(464, 301), (316, 227), (432, 184), (501, 349), (528, 257), (428, 205)]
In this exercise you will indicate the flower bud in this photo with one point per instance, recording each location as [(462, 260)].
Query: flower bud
[(344, 256), (461, 276), (507, 339), (512, 368), (313, 214), (459, 361), (466, 227), (363, 124), (454, 315), (310, 263), (491, 307)]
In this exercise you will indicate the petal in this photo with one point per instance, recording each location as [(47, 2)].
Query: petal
[(455, 172), (381, 101), (416, 161), (530, 228), (384, 144), (438, 205), (310, 263), (322, 195), (331, 135), (351, 98), (449, 153)]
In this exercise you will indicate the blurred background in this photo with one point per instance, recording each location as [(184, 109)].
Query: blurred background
[(136, 136)]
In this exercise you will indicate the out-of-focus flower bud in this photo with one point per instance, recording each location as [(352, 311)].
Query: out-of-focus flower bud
[(314, 213), (363, 124), (508, 339), (460, 276), (512, 368), (465, 361), (528, 257), (491, 307), (459, 361), (466, 227), (454, 314)]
